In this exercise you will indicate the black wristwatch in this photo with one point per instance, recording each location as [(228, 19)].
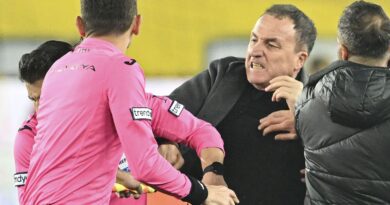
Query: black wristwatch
[(216, 167)]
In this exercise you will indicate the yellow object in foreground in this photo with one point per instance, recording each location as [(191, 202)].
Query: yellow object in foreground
[(145, 188)]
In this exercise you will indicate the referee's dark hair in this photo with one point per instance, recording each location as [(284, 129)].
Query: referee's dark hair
[(364, 29), (104, 17), (33, 66), (306, 32)]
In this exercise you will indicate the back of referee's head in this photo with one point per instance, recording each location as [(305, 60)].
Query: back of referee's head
[(107, 17)]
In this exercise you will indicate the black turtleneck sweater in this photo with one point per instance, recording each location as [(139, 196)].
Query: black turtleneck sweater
[(257, 162)]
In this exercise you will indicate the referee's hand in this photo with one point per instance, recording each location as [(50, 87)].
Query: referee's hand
[(127, 180)]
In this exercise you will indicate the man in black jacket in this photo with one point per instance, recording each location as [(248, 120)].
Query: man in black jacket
[(343, 116), (235, 93)]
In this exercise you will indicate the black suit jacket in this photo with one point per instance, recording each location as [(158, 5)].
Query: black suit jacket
[(210, 96)]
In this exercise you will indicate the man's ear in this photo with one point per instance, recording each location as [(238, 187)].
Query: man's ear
[(80, 26), (344, 53), (302, 57), (136, 25), (388, 61)]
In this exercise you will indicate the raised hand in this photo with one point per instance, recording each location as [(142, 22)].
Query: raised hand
[(220, 195), (285, 87), (279, 121), (171, 153)]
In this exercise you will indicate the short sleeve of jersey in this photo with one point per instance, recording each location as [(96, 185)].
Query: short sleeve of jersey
[(132, 119), (23, 145), (24, 142)]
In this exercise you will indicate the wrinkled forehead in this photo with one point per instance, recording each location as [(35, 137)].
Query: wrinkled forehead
[(268, 26)]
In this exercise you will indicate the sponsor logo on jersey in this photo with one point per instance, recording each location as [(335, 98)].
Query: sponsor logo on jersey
[(131, 62), (176, 108), (74, 68), (20, 179), (82, 50), (141, 113)]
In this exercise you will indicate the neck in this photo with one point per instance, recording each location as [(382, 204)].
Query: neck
[(259, 87), (120, 41), (375, 62)]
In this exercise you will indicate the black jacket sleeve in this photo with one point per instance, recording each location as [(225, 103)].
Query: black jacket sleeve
[(193, 94)]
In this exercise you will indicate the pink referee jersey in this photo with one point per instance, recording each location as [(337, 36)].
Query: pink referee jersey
[(24, 142), (93, 106)]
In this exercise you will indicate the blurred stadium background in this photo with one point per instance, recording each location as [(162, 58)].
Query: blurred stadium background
[(178, 39)]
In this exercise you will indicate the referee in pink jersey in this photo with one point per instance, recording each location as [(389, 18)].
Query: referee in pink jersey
[(92, 106)]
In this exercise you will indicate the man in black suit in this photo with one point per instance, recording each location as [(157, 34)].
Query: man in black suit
[(242, 96)]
